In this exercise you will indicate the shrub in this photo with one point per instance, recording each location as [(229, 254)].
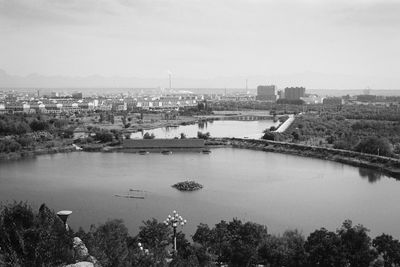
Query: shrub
[(204, 136), (149, 136), (374, 145)]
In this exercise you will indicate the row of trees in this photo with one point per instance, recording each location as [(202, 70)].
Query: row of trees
[(29, 238)]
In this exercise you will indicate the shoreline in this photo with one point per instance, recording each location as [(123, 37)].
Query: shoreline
[(386, 165)]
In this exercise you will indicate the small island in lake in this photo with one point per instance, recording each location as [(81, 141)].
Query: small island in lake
[(188, 186)]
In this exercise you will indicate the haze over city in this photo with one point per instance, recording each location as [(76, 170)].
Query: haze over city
[(316, 44)]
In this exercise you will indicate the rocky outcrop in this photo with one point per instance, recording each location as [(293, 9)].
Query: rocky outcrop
[(82, 256), (81, 251)]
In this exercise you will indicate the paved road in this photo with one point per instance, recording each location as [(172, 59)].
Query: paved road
[(286, 124)]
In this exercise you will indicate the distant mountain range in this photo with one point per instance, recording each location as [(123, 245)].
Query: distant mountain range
[(311, 80)]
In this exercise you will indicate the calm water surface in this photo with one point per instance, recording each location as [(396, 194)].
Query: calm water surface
[(239, 129), (280, 191)]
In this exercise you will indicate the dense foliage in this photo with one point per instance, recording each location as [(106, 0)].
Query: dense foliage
[(29, 238), (32, 132), (27, 132), (377, 137)]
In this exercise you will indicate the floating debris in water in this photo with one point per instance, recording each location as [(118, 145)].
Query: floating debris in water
[(133, 193)]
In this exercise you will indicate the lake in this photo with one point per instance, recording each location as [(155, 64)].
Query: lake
[(217, 128), (278, 190)]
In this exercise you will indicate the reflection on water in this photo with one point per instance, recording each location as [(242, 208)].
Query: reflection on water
[(371, 175), (202, 125)]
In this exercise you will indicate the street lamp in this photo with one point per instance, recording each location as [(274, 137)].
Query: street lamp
[(63, 214), (174, 221)]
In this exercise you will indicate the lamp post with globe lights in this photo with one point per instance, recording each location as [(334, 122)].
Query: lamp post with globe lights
[(174, 221)]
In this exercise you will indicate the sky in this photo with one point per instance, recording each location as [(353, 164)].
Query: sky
[(319, 44)]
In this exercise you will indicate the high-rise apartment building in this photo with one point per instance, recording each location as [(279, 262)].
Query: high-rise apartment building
[(294, 93), (266, 92)]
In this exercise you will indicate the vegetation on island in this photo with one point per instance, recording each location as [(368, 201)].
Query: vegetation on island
[(187, 186), (39, 238)]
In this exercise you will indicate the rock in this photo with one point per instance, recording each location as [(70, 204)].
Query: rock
[(82, 255), (94, 261), (81, 252), (81, 264)]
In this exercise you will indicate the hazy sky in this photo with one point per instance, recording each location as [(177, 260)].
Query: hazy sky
[(202, 38)]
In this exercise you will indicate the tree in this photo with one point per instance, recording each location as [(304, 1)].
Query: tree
[(39, 125), (108, 243), (60, 124), (25, 141), (22, 128), (245, 242), (272, 252), (268, 135), (156, 237), (389, 248), (220, 245), (9, 145), (356, 244), (295, 135), (324, 248), (374, 145), (104, 136), (202, 235), (295, 253), (68, 133), (204, 136)]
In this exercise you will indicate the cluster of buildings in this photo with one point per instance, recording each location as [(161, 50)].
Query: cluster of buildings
[(270, 93), (57, 103)]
